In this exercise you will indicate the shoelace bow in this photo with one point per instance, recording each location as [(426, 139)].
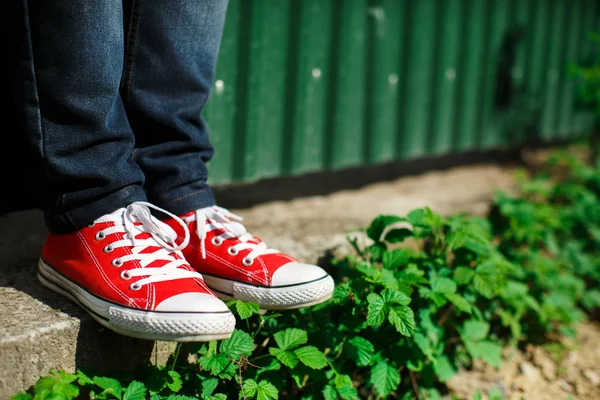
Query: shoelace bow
[(220, 219), (142, 233)]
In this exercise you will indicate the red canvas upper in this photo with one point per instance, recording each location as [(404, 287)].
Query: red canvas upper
[(81, 257), (218, 262)]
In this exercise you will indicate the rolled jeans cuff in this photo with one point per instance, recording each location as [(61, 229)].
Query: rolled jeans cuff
[(77, 218), (189, 202)]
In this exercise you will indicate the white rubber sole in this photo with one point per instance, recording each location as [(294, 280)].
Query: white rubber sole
[(151, 325), (287, 297)]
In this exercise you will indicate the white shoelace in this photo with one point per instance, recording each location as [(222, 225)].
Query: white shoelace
[(161, 235), (218, 218)]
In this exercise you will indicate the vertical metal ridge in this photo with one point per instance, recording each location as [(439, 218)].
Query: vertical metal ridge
[(266, 88), (445, 80), (419, 79), (461, 78), (480, 107), (403, 79), (241, 102), (289, 121), (438, 43), (334, 57), (220, 111), (369, 82), (553, 75), (563, 94), (387, 40), (349, 113), (311, 87)]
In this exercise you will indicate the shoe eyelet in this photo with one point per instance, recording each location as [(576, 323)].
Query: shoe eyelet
[(100, 236), (108, 249), (125, 275), (247, 261), (117, 262), (232, 252), (216, 241), (135, 286)]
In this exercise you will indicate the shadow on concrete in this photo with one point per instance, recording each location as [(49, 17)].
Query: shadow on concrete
[(97, 348)]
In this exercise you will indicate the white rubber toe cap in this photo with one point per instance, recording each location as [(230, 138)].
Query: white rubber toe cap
[(192, 302), (296, 273)]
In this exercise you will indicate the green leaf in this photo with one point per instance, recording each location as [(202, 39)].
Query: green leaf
[(246, 310), (474, 330), (109, 386), (394, 296), (135, 391), (375, 230), (328, 392), (311, 357), (57, 385), (209, 386), (459, 302), (463, 275), (266, 391), (341, 293), (174, 381), (398, 235), (444, 369), (219, 365), (287, 357), (345, 387), (424, 344), (484, 285), (385, 378), (591, 299), (395, 258), (239, 343), (442, 285), (360, 350), (418, 217), (250, 388), (290, 338), (27, 396), (83, 379), (490, 352), (377, 310), (403, 318)]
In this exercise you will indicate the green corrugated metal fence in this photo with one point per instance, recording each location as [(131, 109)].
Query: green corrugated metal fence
[(309, 85)]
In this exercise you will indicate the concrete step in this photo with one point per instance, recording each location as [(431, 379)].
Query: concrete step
[(40, 330)]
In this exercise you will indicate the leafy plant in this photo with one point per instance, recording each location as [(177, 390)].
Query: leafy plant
[(421, 297)]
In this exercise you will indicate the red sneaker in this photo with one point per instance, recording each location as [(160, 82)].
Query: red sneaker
[(127, 272), (237, 265)]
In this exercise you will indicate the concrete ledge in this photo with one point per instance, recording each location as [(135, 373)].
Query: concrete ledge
[(40, 330)]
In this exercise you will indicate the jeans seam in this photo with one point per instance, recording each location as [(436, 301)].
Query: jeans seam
[(38, 113), (186, 196), (132, 42)]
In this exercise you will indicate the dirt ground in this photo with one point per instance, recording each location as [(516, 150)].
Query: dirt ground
[(540, 372)]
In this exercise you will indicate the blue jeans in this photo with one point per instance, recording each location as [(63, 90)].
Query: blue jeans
[(112, 98)]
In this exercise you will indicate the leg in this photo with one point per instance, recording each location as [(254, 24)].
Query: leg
[(73, 115), (170, 59), (105, 251), (172, 49)]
